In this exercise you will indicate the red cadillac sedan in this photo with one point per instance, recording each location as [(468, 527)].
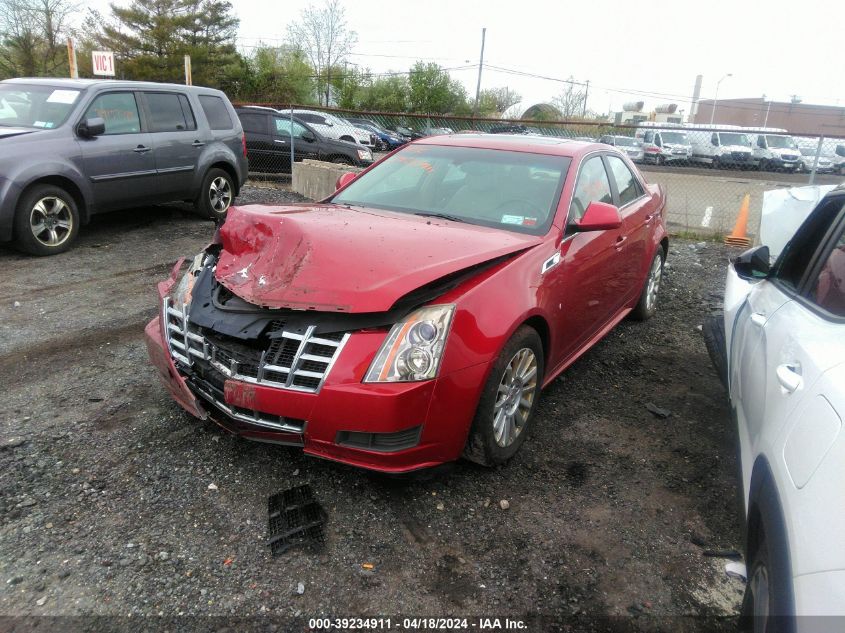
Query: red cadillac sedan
[(413, 316)]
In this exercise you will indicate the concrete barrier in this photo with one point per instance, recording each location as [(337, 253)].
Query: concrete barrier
[(316, 179)]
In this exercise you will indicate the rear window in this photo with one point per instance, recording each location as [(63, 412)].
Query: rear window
[(216, 112)]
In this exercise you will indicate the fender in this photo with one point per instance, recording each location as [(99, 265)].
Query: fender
[(217, 153)]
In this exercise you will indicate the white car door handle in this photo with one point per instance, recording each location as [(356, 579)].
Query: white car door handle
[(789, 377), (758, 319)]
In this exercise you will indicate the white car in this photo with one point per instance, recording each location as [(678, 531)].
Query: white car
[(332, 127), (784, 364)]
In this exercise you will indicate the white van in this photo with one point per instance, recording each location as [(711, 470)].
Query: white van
[(725, 146), (775, 149), (663, 145)]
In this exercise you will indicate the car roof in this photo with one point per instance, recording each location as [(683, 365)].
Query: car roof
[(519, 143), (84, 84)]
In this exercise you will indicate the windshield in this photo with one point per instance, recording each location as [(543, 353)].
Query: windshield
[(43, 107), (515, 191), (626, 141), (733, 139), (780, 142), (676, 138)]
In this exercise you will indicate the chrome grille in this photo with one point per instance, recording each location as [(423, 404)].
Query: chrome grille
[(293, 361)]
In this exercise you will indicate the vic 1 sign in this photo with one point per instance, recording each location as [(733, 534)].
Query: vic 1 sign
[(103, 63)]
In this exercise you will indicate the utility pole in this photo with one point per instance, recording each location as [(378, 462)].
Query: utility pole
[(71, 60), (586, 94), (188, 79), (480, 66)]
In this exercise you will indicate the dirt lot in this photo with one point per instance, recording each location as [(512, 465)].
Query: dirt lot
[(108, 508)]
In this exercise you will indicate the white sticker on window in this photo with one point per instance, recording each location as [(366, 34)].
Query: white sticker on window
[(512, 219), (63, 96), (39, 124)]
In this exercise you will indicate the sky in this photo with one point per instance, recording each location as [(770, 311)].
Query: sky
[(629, 51)]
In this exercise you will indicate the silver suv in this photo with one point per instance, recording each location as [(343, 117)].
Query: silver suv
[(70, 148)]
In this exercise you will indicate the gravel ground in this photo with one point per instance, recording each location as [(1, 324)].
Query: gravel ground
[(116, 503)]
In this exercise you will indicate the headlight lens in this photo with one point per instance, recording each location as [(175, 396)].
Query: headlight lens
[(181, 292), (414, 347), (364, 154)]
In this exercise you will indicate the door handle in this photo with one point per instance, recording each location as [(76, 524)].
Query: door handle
[(648, 218), (789, 377), (758, 318), (198, 144), (621, 240), (280, 141), (141, 149)]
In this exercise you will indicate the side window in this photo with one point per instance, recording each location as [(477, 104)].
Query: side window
[(283, 127), (216, 112), (188, 112), (166, 113), (792, 264), (256, 123), (119, 110), (626, 184), (593, 185), (309, 118), (828, 289)]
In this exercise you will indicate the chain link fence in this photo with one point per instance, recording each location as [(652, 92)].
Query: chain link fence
[(706, 170)]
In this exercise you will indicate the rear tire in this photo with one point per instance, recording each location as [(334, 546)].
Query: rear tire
[(766, 605), (342, 160), (647, 305), (46, 221), (509, 400), (216, 195)]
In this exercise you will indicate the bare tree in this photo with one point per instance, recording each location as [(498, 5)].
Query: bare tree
[(31, 36), (324, 36), (570, 101)]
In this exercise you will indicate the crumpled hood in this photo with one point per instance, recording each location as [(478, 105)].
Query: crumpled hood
[(328, 258)]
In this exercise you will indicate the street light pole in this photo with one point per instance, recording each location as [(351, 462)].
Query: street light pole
[(716, 98)]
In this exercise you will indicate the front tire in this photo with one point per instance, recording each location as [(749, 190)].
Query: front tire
[(647, 305), (766, 607), (509, 400), (46, 221), (342, 160), (216, 195)]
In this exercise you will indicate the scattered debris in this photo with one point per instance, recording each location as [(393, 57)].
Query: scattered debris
[(12, 442), (17, 304), (212, 486), (228, 561), (657, 411), (296, 472), (300, 588), (368, 566), (40, 602), (736, 570), (722, 553), (440, 505), (295, 518), (504, 504)]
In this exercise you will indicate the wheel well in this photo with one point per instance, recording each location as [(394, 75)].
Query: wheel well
[(346, 137), (69, 186), (539, 324), (232, 174), (664, 244)]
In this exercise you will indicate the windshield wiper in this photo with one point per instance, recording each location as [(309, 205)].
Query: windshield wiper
[(443, 216)]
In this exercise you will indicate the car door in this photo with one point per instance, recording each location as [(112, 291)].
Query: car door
[(176, 145), (780, 342), (587, 283), (120, 162), (263, 155), (638, 210), (306, 144)]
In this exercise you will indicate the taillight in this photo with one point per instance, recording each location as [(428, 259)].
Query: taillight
[(243, 142)]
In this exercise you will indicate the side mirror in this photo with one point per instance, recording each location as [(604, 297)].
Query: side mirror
[(90, 128), (345, 179), (308, 137), (755, 263), (599, 216)]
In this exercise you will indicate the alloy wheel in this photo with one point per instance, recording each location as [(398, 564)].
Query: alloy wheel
[(654, 277), (758, 585), (220, 194), (515, 397), (51, 221)]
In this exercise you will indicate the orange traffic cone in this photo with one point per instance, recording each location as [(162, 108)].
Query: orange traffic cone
[(738, 237)]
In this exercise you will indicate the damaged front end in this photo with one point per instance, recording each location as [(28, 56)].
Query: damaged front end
[(271, 374)]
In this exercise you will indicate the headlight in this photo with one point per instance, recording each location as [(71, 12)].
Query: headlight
[(364, 154), (181, 292), (414, 347)]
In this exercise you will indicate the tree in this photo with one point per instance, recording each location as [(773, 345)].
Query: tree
[(571, 99), (432, 91), (497, 100), (323, 35), (151, 37), (32, 37), (279, 74), (385, 94)]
